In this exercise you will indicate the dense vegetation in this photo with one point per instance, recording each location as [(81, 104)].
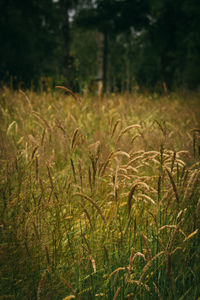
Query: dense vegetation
[(152, 44), (99, 194), (100, 198)]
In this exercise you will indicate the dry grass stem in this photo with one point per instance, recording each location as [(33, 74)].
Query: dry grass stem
[(157, 291), (87, 214), (191, 183), (74, 139), (173, 186), (68, 285), (146, 246), (116, 294), (115, 127), (115, 271), (41, 285), (169, 248), (93, 203), (123, 131), (146, 267), (130, 197), (70, 92), (93, 264), (27, 99)]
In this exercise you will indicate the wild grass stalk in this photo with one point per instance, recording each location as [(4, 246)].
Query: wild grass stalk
[(98, 203)]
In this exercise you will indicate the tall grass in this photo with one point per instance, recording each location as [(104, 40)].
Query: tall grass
[(99, 200)]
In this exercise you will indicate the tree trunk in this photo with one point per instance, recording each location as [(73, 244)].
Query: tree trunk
[(102, 59), (105, 61), (67, 59), (99, 77), (100, 38)]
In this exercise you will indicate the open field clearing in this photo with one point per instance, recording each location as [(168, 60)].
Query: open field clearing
[(100, 199)]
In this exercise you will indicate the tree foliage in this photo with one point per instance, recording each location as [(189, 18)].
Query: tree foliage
[(148, 42), (29, 41)]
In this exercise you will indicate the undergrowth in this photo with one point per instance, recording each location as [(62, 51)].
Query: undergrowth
[(99, 198)]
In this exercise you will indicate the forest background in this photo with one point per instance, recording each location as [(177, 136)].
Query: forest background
[(128, 44)]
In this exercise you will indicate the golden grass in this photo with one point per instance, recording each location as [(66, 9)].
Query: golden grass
[(104, 194)]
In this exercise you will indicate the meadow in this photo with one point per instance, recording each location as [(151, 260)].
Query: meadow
[(100, 198)]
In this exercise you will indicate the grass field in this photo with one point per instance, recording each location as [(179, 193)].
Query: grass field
[(99, 199)]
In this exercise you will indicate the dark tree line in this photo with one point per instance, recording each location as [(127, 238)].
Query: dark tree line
[(129, 43)]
